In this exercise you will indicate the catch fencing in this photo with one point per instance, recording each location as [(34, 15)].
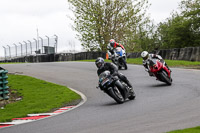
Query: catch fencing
[(39, 46)]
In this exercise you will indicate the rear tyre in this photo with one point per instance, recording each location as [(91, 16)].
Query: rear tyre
[(132, 95)]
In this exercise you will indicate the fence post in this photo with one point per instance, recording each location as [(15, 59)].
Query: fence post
[(30, 46), (4, 52), (48, 45), (21, 48), (56, 40), (26, 47), (41, 43), (9, 51), (36, 44), (15, 49)]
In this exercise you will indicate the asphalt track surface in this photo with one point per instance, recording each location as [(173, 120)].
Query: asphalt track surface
[(157, 108)]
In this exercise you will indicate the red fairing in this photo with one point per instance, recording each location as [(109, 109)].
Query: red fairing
[(158, 67), (166, 69)]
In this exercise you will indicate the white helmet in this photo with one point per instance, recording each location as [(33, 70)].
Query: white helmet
[(145, 55)]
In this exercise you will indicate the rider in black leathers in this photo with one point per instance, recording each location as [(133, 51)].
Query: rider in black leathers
[(103, 66)]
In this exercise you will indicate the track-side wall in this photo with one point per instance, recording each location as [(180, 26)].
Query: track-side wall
[(188, 54)]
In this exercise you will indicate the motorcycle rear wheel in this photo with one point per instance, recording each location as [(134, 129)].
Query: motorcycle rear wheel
[(132, 96)]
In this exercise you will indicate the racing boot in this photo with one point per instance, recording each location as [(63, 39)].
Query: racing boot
[(132, 94), (168, 67), (125, 80), (130, 88), (131, 91)]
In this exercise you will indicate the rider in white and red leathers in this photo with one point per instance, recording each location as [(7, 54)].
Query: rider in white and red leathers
[(111, 46), (146, 56)]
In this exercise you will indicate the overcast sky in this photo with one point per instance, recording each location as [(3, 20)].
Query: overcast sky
[(20, 19)]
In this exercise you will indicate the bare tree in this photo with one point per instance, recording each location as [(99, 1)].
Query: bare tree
[(97, 21)]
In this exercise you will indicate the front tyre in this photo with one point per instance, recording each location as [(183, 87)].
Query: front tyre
[(165, 78), (124, 64), (116, 95)]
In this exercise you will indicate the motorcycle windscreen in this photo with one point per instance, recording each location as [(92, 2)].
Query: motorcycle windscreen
[(103, 75), (103, 78), (119, 51), (155, 65)]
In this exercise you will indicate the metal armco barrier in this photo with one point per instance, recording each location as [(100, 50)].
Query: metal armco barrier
[(3, 85)]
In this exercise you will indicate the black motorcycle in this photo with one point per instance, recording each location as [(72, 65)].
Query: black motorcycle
[(115, 88)]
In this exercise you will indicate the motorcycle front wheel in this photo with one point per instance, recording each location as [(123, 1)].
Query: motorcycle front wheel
[(124, 64), (166, 78), (116, 95)]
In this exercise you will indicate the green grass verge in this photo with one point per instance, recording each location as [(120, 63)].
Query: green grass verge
[(134, 61), (180, 63), (38, 97), (12, 62), (188, 130), (171, 63)]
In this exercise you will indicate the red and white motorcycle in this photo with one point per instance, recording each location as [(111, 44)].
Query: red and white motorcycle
[(160, 71)]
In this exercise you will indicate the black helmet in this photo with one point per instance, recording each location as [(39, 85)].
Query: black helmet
[(99, 62)]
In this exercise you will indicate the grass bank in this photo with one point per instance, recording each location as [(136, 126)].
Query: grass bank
[(188, 130), (171, 63), (12, 62), (38, 96)]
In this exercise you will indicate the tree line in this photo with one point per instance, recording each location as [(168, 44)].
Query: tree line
[(126, 21)]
